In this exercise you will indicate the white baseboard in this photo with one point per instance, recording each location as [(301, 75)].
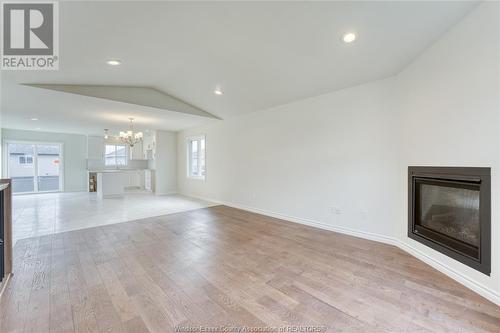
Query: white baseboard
[(479, 288), (166, 193)]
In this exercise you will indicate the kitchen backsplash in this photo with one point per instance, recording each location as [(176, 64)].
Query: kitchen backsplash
[(137, 164), (98, 164)]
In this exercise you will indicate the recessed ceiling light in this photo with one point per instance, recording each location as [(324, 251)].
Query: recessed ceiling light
[(349, 37), (34, 119), (218, 91), (38, 128), (114, 62)]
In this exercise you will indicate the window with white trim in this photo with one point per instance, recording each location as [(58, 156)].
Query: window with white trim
[(115, 155), (196, 157)]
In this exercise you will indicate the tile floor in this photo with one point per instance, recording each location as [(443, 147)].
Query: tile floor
[(44, 214)]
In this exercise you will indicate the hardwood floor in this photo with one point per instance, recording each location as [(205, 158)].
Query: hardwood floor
[(221, 266)]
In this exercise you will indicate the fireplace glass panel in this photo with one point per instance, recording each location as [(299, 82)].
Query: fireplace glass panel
[(450, 209)]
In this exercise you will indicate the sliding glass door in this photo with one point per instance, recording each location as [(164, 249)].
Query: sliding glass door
[(34, 167), (48, 167)]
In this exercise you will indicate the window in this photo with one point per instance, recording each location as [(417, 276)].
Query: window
[(115, 155), (25, 159), (196, 157)]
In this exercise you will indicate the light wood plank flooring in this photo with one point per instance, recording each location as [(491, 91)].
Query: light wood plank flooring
[(221, 266)]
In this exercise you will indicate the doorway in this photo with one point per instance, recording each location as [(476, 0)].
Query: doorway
[(34, 167)]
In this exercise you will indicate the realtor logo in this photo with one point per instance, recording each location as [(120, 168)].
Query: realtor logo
[(30, 36)]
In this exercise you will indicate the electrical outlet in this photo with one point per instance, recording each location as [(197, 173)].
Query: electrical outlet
[(335, 210), (364, 214)]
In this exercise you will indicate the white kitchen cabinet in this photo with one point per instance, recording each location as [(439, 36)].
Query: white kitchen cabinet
[(149, 147), (135, 178), (95, 147), (149, 180), (136, 152), (149, 154)]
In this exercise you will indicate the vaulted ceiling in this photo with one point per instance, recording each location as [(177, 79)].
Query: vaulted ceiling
[(261, 54)]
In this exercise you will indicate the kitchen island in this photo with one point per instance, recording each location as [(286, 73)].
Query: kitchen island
[(111, 183)]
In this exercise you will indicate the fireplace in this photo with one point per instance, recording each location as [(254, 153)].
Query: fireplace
[(449, 210)]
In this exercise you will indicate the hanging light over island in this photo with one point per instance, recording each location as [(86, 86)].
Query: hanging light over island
[(131, 137)]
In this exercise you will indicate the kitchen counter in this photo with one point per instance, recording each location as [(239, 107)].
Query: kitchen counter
[(111, 183), (113, 170)]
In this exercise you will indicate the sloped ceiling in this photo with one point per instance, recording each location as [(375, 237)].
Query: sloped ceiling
[(144, 96), (262, 54)]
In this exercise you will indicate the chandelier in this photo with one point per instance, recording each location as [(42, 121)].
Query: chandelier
[(130, 137)]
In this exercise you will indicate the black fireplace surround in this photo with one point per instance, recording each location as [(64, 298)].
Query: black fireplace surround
[(449, 210)]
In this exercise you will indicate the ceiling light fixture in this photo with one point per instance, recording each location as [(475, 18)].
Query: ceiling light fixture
[(349, 37), (106, 136), (34, 119), (218, 91), (114, 62), (130, 137)]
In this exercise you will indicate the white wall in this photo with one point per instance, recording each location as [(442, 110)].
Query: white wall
[(74, 154), (165, 162), (304, 158), (350, 149)]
